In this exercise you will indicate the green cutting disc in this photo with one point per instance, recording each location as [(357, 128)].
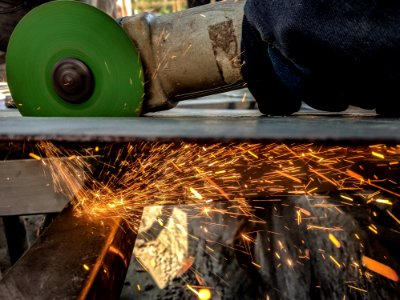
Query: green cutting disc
[(67, 58)]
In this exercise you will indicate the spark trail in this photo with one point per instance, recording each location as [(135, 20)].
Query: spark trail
[(246, 176)]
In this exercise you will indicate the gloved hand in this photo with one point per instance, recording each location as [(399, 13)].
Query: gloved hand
[(328, 54)]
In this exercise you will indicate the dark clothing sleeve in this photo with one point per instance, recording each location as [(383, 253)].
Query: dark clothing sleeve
[(329, 54)]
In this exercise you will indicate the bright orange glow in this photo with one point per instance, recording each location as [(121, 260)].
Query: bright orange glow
[(204, 294), (380, 268)]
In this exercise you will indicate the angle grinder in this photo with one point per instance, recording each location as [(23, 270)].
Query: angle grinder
[(67, 58)]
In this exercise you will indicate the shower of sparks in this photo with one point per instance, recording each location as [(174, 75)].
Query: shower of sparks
[(111, 181)]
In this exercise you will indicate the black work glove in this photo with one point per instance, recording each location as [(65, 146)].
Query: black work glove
[(328, 54), (271, 94)]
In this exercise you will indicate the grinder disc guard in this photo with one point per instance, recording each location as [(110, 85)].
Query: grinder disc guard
[(67, 58)]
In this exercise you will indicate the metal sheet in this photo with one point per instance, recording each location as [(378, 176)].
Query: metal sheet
[(204, 125)]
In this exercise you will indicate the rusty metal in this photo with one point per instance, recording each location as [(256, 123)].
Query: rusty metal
[(75, 258)]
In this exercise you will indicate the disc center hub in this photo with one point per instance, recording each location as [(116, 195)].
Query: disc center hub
[(73, 80)]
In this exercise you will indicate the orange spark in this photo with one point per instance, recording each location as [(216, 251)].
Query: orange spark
[(323, 176), (252, 154), (334, 240), (289, 262), (214, 185), (383, 201), (393, 216), (312, 190), (298, 217), (346, 197), (356, 288), (190, 288), (335, 261), (220, 172), (35, 156), (199, 279), (380, 268), (373, 229), (176, 166), (324, 228), (196, 193), (376, 154), (306, 212), (354, 175), (288, 176)]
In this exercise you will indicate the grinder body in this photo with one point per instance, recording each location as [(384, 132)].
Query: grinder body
[(192, 53)]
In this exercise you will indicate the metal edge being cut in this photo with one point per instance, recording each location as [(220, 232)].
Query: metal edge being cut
[(67, 58)]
